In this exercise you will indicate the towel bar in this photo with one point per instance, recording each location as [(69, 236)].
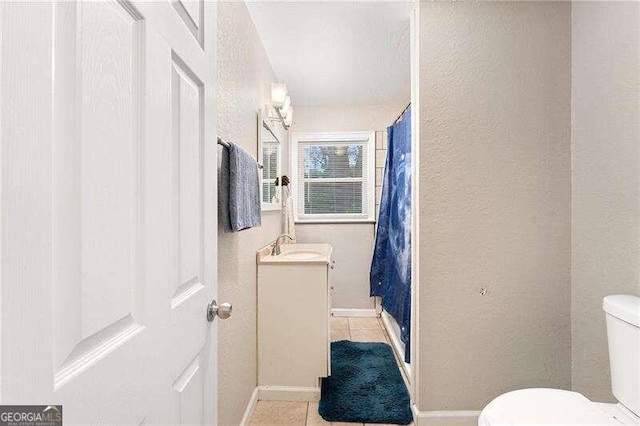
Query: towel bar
[(226, 144)]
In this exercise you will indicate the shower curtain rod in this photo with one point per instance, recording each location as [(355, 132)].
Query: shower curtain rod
[(403, 111)]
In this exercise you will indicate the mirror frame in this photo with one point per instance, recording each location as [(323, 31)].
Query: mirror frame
[(264, 125)]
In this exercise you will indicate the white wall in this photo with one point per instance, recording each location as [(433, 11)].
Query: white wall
[(352, 250), (352, 243), (495, 200), (355, 118), (244, 77), (606, 178)]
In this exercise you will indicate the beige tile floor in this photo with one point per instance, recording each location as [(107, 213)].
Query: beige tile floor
[(289, 413)]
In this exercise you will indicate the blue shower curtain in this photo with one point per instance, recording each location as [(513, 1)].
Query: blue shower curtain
[(390, 276)]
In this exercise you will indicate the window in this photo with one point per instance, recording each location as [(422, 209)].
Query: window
[(333, 176)]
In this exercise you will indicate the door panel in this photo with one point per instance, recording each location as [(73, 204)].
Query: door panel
[(109, 67), (187, 401), (186, 118), (191, 14), (97, 273)]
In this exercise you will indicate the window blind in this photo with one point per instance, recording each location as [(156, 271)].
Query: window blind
[(333, 180), (270, 156)]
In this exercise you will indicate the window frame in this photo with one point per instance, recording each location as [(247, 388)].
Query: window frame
[(369, 140)]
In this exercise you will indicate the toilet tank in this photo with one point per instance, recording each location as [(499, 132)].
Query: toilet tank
[(623, 335)]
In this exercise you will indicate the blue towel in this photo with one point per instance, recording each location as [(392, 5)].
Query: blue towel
[(239, 190)]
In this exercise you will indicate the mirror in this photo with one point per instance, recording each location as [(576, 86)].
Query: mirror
[(270, 152)]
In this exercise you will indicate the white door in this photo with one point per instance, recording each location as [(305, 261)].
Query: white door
[(108, 219)]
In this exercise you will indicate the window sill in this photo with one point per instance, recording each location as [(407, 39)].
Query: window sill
[(335, 222)]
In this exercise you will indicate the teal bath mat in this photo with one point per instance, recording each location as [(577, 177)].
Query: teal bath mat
[(365, 386)]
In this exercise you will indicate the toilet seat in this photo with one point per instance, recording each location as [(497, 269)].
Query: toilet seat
[(544, 407)]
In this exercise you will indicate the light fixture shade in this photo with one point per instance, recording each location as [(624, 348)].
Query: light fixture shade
[(278, 94), (288, 119), (270, 112), (285, 107)]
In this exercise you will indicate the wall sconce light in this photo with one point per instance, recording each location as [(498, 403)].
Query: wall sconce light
[(278, 94), (285, 107), (288, 118), (281, 109)]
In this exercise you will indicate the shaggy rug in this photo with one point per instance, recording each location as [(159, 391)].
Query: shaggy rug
[(365, 386)]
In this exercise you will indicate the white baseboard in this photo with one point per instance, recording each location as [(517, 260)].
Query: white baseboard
[(251, 406), (445, 418), (288, 393), (377, 302), (368, 313), (415, 412)]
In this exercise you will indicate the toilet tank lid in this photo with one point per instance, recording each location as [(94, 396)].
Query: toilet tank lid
[(623, 307), (544, 407)]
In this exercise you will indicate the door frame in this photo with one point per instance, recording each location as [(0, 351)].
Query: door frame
[(415, 211)]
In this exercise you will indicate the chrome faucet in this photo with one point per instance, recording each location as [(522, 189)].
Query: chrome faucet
[(276, 246)]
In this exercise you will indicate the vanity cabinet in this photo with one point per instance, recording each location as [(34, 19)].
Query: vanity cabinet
[(294, 307)]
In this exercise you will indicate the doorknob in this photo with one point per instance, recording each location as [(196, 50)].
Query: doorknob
[(223, 311)]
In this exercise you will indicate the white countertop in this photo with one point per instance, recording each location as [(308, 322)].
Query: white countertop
[(295, 254)]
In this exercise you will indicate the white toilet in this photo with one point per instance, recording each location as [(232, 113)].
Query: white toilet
[(561, 407)]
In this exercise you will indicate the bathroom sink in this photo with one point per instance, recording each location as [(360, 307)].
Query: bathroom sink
[(296, 253), (301, 254)]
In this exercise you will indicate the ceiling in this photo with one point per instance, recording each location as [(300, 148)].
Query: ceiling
[(337, 53)]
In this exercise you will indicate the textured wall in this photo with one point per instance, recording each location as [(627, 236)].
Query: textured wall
[(352, 243), (352, 250), (356, 118), (495, 206), (244, 77), (381, 159), (606, 178)]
